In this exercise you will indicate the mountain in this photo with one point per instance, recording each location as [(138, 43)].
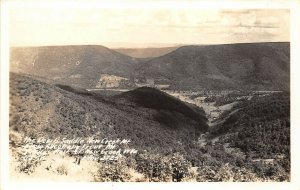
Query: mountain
[(38, 108), (260, 128), (80, 66), (256, 66), (171, 109), (249, 66), (145, 52), (250, 144)]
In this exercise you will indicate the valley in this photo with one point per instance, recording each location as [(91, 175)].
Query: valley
[(203, 67), (191, 113), (202, 99)]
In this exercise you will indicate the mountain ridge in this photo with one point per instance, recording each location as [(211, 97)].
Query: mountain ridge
[(80, 66), (230, 65), (191, 67)]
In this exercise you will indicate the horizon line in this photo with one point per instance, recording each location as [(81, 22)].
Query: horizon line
[(153, 45)]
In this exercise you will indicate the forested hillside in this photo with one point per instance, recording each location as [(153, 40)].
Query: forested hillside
[(260, 129), (249, 66), (172, 138), (79, 66)]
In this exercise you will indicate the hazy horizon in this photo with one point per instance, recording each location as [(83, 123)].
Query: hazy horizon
[(141, 45), (142, 25)]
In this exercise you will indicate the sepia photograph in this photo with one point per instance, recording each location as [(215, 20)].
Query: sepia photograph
[(148, 92)]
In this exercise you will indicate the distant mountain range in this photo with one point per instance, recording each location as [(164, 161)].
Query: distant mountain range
[(146, 52), (80, 66), (251, 66)]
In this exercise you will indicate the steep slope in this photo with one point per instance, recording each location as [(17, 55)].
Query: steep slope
[(145, 52), (165, 134), (38, 108), (258, 66), (170, 107), (80, 66), (260, 128)]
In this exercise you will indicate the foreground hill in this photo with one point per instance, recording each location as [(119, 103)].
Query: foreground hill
[(258, 66), (260, 129), (38, 108), (80, 66), (165, 134)]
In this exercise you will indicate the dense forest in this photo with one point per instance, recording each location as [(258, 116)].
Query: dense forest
[(260, 129), (167, 134)]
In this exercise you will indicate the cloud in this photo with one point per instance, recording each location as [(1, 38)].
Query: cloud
[(255, 17), (99, 25)]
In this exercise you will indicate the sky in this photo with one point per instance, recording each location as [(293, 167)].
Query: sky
[(142, 25)]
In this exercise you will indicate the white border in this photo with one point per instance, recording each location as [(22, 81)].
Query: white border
[(4, 86), (238, 4)]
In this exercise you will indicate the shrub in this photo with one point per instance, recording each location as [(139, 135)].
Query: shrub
[(62, 170), (112, 172)]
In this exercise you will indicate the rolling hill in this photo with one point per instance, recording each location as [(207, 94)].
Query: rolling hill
[(171, 109), (260, 129), (252, 66), (38, 108), (79, 66), (257, 66), (164, 130)]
